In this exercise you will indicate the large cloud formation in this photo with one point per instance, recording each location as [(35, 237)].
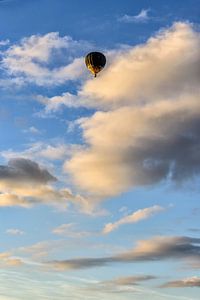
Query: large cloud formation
[(148, 130)]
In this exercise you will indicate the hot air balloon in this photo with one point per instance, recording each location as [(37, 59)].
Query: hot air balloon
[(95, 62)]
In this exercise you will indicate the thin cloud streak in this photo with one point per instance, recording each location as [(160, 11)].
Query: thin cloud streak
[(142, 17), (135, 217), (183, 283)]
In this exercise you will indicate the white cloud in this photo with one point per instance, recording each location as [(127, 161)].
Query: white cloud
[(142, 17), (4, 43), (135, 217), (165, 67), (53, 104), (32, 130), (148, 130), (15, 231), (53, 150), (35, 59)]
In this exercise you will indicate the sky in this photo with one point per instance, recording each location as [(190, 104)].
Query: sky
[(99, 177)]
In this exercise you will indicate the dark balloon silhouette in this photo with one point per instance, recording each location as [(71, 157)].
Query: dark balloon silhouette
[(95, 62)]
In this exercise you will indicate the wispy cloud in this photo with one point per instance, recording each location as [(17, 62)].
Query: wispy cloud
[(121, 285), (142, 17), (15, 231), (183, 283), (8, 260), (70, 230), (32, 130), (135, 217), (129, 280), (155, 249), (40, 151)]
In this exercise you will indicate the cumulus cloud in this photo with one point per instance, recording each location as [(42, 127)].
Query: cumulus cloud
[(135, 217), (24, 170), (55, 103), (155, 249), (24, 183), (19, 178), (36, 59), (184, 283), (166, 66), (148, 130), (152, 143), (142, 17)]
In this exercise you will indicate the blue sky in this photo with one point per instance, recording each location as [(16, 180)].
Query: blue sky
[(99, 178)]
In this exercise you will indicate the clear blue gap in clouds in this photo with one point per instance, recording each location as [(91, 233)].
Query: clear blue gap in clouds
[(88, 20)]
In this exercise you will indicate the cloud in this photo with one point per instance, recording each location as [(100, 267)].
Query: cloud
[(15, 231), (19, 177), (153, 143), (69, 230), (44, 151), (10, 200), (32, 130), (130, 280), (55, 103), (4, 43), (37, 251), (120, 285), (7, 260), (142, 17), (24, 170), (24, 183), (28, 195), (155, 249), (150, 124), (37, 59), (135, 217), (165, 67), (184, 283)]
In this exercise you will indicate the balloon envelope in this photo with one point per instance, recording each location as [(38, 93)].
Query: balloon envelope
[(95, 62)]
